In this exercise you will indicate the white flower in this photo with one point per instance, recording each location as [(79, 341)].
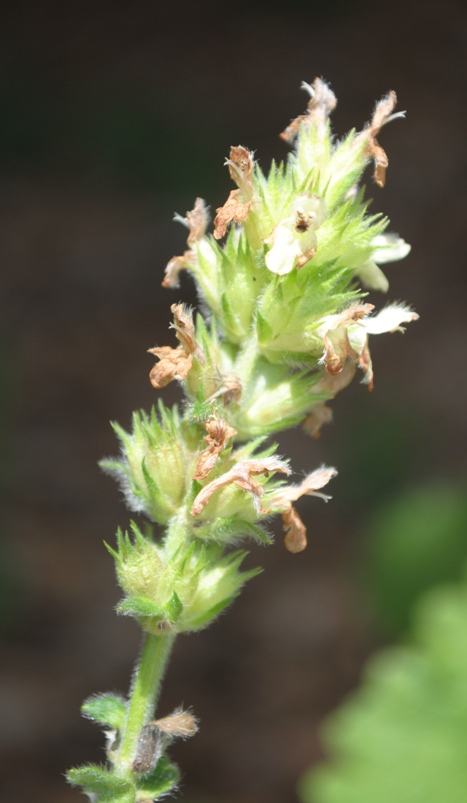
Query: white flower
[(345, 335), (293, 241), (388, 248)]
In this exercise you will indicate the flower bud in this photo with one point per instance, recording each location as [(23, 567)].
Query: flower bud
[(181, 591), (154, 470)]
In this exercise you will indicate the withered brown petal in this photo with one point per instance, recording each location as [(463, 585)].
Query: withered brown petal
[(174, 364), (382, 112), (305, 257), (174, 266), (295, 531), (336, 349), (384, 109), (240, 474), (197, 220), (332, 384), (219, 432), (381, 162), (320, 106), (233, 209), (367, 366), (322, 414), (185, 331), (240, 164), (308, 487), (289, 133)]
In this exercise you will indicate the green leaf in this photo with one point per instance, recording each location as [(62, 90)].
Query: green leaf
[(99, 781), (106, 709), (160, 781), (402, 737)]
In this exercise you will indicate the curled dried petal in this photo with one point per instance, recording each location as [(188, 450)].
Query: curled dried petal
[(241, 474), (197, 221), (184, 327), (308, 487), (321, 104), (295, 539), (173, 268), (240, 164), (238, 204), (381, 161), (295, 531), (233, 209), (174, 364), (335, 334), (337, 349), (219, 432), (332, 384), (382, 114), (366, 365), (322, 414), (346, 335)]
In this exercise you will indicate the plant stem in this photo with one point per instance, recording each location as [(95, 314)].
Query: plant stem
[(143, 698)]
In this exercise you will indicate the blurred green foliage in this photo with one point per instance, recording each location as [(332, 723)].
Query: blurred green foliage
[(413, 543), (403, 736)]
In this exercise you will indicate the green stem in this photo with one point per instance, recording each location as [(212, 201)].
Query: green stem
[(143, 698)]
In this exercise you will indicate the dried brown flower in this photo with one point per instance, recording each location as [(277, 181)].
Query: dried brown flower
[(176, 363), (334, 332), (241, 474), (321, 104), (295, 539), (383, 112), (238, 204), (233, 209), (219, 432), (197, 221)]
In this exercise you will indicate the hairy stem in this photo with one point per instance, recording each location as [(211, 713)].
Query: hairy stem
[(144, 694)]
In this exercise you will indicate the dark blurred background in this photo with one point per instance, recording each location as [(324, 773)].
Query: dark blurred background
[(113, 115)]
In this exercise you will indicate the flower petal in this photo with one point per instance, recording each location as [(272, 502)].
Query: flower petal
[(197, 221), (389, 319), (322, 414), (174, 364), (240, 163), (321, 104), (219, 432), (241, 474), (373, 277), (233, 209), (295, 531), (389, 248), (308, 487)]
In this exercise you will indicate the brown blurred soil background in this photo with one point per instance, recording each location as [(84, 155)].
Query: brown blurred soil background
[(112, 117)]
